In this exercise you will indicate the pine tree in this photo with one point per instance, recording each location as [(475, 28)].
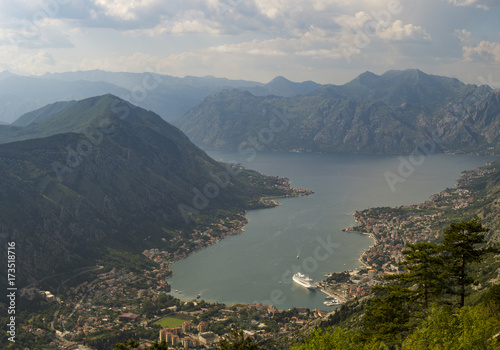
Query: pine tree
[(424, 272), (389, 318), (461, 242)]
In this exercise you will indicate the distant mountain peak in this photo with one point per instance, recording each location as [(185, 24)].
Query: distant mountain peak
[(281, 86), (85, 115), (280, 79), (368, 74), (367, 78), (411, 72)]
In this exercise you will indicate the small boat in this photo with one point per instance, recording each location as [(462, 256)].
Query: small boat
[(298, 256), (198, 296), (332, 302)]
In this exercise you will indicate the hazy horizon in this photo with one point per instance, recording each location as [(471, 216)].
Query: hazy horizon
[(323, 41)]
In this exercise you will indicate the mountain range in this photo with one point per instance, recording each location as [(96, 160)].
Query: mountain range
[(168, 96), (395, 112), (101, 173), (390, 113)]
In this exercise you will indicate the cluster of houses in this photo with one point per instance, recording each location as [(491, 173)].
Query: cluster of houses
[(182, 336)]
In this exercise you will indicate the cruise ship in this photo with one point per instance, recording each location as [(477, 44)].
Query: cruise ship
[(304, 280)]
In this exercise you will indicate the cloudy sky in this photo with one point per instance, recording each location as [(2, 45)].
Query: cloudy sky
[(328, 41)]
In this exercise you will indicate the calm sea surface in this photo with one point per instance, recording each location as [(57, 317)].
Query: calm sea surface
[(257, 265)]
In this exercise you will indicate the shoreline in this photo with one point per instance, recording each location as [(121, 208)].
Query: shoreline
[(339, 295), (383, 259), (342, 297), (375, 242), (391, 229), (267, 203), (369, 234)]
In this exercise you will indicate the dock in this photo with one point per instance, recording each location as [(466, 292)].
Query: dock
[(339, 297)]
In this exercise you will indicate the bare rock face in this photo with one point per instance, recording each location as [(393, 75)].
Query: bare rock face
[(391, 113)]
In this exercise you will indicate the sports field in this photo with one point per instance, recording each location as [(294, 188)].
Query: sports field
[(170, 322)]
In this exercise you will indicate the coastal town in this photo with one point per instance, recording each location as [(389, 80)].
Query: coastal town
[(118, 304), (392, 228), (126, 301), (113, 304)]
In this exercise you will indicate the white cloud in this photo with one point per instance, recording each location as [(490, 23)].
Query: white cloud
[(484, 51), (398, 31), (464, 36), (483, 4), (215, 17), (259, 55), (188, 26), (474, 50), (272, 8), (17, 61), (125, 9), (355, 22), (193, 26), (45, 32), (365, 26)]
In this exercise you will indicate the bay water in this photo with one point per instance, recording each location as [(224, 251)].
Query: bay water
[(305, 234)]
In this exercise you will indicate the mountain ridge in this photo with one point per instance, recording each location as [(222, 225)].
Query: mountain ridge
[(42, 113), (168, 96), (391, 113)]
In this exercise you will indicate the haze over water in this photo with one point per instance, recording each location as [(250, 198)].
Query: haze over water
[(248, 268)]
